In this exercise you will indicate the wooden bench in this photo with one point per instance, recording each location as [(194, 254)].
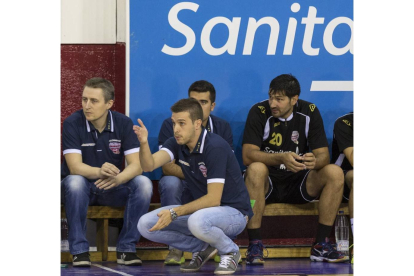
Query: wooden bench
[(308, 209), (103, 213)]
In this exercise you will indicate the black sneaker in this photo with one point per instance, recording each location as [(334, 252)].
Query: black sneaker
[(326, 252), (254, 253), (81, 259), (199, 258), (127, 258)]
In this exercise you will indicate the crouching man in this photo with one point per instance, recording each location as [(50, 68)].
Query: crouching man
[(221, 206)]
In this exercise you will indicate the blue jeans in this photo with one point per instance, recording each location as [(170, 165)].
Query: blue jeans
[(78, 193), (173, 191), (216, 226)]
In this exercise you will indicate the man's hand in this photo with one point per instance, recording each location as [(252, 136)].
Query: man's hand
[(309, 160), (163, 221), (141, 132), (290, 162), (108, 183), (108, 170)]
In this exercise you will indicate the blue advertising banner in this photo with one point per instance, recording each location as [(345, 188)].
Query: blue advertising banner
[(238, 46)]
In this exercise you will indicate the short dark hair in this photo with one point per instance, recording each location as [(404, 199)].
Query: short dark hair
[(106, 86), (286, 84), (189, 105), (203, 86)]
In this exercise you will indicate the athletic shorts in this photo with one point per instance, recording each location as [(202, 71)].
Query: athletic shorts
[(291, 189), (347, 191)]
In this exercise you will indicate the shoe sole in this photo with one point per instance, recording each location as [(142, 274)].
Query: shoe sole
[(131, 263), (322, 259), (204, 261), (174, 262), (255, 262), (82, 264), (226, 272)]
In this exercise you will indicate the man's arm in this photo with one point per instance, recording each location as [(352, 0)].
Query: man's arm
[(211, 199), (77, 167), (132, 169), (149, 162), (349, 154), (252, 153), (165, 133), (173, 170), (317, 159)]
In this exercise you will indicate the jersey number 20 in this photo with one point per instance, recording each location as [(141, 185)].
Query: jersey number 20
[(277, 139)]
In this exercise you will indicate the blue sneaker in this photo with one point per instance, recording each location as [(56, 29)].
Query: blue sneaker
[(326, 252), (254, 253)]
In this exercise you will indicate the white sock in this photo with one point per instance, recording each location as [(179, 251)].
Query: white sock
[(352, 225)]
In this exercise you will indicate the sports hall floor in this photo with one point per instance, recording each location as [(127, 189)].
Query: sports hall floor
[(285, 266)]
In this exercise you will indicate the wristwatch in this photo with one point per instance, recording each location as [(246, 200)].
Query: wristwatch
[(173, 214)]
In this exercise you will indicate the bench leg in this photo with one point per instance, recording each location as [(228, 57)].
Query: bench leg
[(102, 237)]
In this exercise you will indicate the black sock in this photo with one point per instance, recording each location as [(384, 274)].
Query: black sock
[(254, 234), (324, 231)]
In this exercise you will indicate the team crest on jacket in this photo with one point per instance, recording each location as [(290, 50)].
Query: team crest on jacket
[(115, 147), (312, 107), (262, 109), (203, 170), (347, 122), (295, 137)]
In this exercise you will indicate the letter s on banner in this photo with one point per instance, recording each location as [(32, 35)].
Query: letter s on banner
[(182, 28)]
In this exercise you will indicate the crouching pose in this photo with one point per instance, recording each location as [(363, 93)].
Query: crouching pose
[(221, 206)]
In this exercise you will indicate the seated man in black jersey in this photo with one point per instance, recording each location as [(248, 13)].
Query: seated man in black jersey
[(172, 186), (286, 151), (343, 156)]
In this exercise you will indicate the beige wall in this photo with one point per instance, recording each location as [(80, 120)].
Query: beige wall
[(93, 21)]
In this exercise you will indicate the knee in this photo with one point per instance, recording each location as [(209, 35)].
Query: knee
[(169, 184), (256, 174), (142, 185), (144, 224), (349, 178), (198, 225), (75, 183), (334, 175)]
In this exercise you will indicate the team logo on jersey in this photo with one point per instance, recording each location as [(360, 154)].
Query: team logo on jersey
[(262, 109), (312, 107), (276, 124), (184, 163), (295, 137), (88, 145), (203, 170), (348, 123), (115, 147)]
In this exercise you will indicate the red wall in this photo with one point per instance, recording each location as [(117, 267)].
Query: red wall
[(82, 62)]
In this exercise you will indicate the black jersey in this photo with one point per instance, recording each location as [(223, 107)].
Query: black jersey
[(301, 132), (343, 137)]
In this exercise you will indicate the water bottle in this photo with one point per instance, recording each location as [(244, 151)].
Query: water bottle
[(342, 233), (64, 233)]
